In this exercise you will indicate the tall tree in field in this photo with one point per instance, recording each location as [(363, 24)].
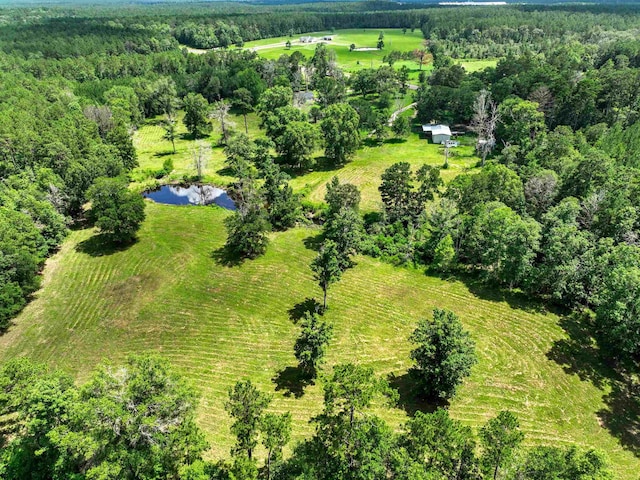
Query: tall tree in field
[(321, 63), (351, 389), (240, 152), (117, 211), (246, 405), (200, 153), (283, 206), (195, 115), (311, 344), (276, 433), (401, 127), (345, 228), (243, 102), (247, 228), (341, 195), (220, 112), (170, 127), (404, 194), (444, 354), (500, 437), (483, 123), (420, 54), (297, 143), (326, 268), (340, 131)]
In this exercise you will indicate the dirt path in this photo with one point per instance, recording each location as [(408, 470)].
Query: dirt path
[(395, 114)]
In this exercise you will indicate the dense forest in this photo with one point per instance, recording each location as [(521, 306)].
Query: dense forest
[(553, 211)]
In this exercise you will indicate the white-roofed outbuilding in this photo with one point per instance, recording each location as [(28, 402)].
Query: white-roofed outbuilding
[(439, 133)]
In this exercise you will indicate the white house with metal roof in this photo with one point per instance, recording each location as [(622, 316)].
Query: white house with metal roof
[(439, 133)]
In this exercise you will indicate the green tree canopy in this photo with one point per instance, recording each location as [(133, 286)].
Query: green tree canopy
[(246, 405), (500, 437), (196, 109), (116, 211), (444, 354), (340, 131), (326, 268), (309, 349)]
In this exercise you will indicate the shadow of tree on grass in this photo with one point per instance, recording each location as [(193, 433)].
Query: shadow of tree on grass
[(622, 416), (292, 381), (313, 242), (579, 354), (165, 153), (226, 257), (299, 310), (495, 293), (101, 245), (226, 172), (322, 164), (394, 141), (410, 398)]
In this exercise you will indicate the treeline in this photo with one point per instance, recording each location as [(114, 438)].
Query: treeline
[(571, 86), (51, 151), (555, 211), (137, 421), (463, 32), (492, 33)]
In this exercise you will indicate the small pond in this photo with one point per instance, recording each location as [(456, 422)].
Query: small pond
[(191, 195)]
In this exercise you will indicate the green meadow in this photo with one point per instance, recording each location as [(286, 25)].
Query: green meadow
[(170, 293), (350, 61), (364, 170)]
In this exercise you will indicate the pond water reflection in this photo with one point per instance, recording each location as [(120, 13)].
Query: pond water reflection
[(191, 195)]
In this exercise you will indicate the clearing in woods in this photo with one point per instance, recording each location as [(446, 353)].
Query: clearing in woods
[(169, 293), (365, 170), (366, 54)]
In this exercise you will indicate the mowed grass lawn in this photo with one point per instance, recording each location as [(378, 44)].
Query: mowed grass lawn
[(364, 170), (218, 324), (351, 61)]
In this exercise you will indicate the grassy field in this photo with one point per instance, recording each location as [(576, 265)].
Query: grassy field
[(168, 293), (475, 65), (365, 170), (349, 61)]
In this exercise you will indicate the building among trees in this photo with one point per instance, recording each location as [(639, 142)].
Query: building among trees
[(439, 133)]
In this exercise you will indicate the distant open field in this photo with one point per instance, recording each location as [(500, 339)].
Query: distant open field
[(218, 324), (475, 65), (366, 39), (350, 61)]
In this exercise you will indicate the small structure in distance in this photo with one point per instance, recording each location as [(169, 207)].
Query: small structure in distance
[(439, 133)]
